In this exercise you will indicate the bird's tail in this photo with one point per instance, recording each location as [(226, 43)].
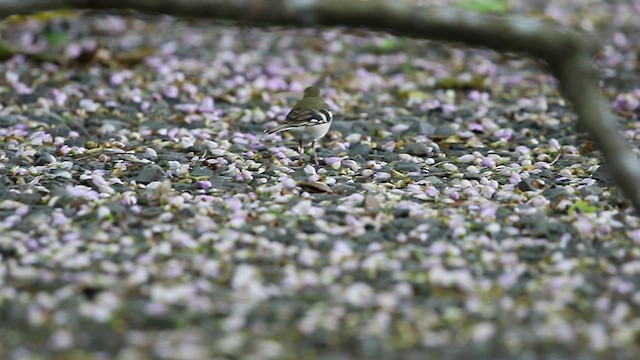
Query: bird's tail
[(277, 129)]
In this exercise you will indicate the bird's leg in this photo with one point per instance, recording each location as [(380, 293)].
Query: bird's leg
[(301, 152), (315, 156)]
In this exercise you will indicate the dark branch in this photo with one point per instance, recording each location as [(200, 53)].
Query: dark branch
[(567, 53)]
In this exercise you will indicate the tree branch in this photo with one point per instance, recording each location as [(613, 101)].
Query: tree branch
[(567, 53)]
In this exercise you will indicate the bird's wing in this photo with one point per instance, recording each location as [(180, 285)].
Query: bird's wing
[(300, 117)]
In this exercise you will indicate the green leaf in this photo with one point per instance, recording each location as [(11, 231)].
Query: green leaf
[(485, 6), (583, 207), (6, 52), (55, 38)]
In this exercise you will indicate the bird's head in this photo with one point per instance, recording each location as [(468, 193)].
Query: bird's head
[(311, 91)]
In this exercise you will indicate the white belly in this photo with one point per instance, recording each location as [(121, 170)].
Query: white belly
[(310, 133)]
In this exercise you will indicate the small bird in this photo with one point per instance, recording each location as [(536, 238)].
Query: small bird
[(308, 121)]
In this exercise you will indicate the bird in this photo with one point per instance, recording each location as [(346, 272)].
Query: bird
[(308, 121)]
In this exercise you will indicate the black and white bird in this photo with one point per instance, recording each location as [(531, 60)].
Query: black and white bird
[(308, 121)]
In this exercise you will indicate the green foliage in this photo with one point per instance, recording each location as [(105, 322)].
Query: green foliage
[(485, 6), (55, 37), (389, 45)]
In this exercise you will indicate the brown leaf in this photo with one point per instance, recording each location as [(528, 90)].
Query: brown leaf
[(135, 57), (372, 204), (314, 186)]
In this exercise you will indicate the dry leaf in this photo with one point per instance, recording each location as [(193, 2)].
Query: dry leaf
[(314, 186)]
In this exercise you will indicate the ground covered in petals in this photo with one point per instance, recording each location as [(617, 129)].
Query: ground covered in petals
[(457, 210)]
